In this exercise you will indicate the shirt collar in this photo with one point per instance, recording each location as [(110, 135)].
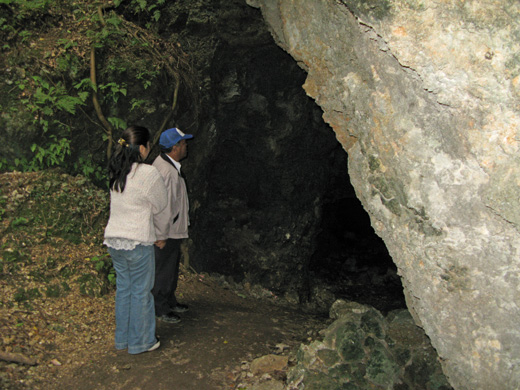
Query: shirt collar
[(176, 163)]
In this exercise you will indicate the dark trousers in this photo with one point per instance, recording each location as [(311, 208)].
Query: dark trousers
[(166, 275)]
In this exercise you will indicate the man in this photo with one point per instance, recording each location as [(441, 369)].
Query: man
[(171, 225)]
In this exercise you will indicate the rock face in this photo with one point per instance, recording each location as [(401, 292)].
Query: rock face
[(364, 350), (424, 97)]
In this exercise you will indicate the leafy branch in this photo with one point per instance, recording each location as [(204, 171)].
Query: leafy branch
[(93, 42)]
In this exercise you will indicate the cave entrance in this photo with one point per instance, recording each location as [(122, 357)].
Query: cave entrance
[(350, 259), (275, 207)]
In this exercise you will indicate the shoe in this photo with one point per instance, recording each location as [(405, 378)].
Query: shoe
[(169, 318), (155, 346), (180, 308)]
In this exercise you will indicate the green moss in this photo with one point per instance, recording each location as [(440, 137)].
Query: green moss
[(429, 230), (329, 357), (393, 205), (380, 183), (401, 355), (351, 347), (420, 370), (381, 369), (373, 163), (322, 381), (416, 5), (371, 322), (422, 223), (456, 278), (390, 191)]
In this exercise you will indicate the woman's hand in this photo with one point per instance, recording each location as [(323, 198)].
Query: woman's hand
[(160, 244)]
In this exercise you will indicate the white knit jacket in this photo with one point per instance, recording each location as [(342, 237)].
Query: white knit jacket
[(132, 211)]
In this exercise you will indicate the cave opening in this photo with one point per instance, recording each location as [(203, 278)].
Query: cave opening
[(278, 189), (351, 259), (273, 203)]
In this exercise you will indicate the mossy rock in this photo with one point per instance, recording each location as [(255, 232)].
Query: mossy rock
[(329, 357), (381, 368)]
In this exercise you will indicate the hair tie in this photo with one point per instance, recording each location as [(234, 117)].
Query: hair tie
[(122, 142)]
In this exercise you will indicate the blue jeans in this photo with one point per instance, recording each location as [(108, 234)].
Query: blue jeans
[(135, 313)]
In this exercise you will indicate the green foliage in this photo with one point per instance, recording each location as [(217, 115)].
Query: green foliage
[(25, 35), (53, 155), (26, 294), (113, 90), (147, 77), (91, 171), (19, 221), (5, 165), (63, 206), (103, 265), (27, 8), (51, 220), (67, 43), (45, 99), (149, 8), (10, 261), (46, 53), (118, 123)]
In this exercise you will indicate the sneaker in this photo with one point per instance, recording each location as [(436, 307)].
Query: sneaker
[(154, 347), (180, 308), (169, 318)]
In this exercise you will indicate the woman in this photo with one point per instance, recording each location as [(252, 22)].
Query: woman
[(137, 193)]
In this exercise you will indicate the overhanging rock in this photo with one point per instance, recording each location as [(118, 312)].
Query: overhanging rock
[(424, 97)]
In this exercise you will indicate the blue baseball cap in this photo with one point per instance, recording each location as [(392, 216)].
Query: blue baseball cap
[(171, 136)]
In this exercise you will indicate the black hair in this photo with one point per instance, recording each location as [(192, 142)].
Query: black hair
[(166, 150), (126, 153)]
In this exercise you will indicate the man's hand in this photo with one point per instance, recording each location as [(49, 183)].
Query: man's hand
[(160, 243)]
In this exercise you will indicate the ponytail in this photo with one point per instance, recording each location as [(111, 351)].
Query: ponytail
[(125, 155)]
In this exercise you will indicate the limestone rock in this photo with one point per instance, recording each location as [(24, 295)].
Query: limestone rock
[(268, 364), (364, 350), (424, 97)]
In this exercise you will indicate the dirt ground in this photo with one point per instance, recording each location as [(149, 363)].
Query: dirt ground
[(57, 305), (211, 348)]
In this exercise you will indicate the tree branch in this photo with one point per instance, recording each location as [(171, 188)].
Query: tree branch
[(17, 358), (170, 113), (96, 104)]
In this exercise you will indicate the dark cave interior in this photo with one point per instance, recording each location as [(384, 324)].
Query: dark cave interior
[(352, 260), (269, 180)]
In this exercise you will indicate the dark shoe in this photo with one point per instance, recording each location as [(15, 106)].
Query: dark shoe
[(180, 308), (169, 318), (155, 346)]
